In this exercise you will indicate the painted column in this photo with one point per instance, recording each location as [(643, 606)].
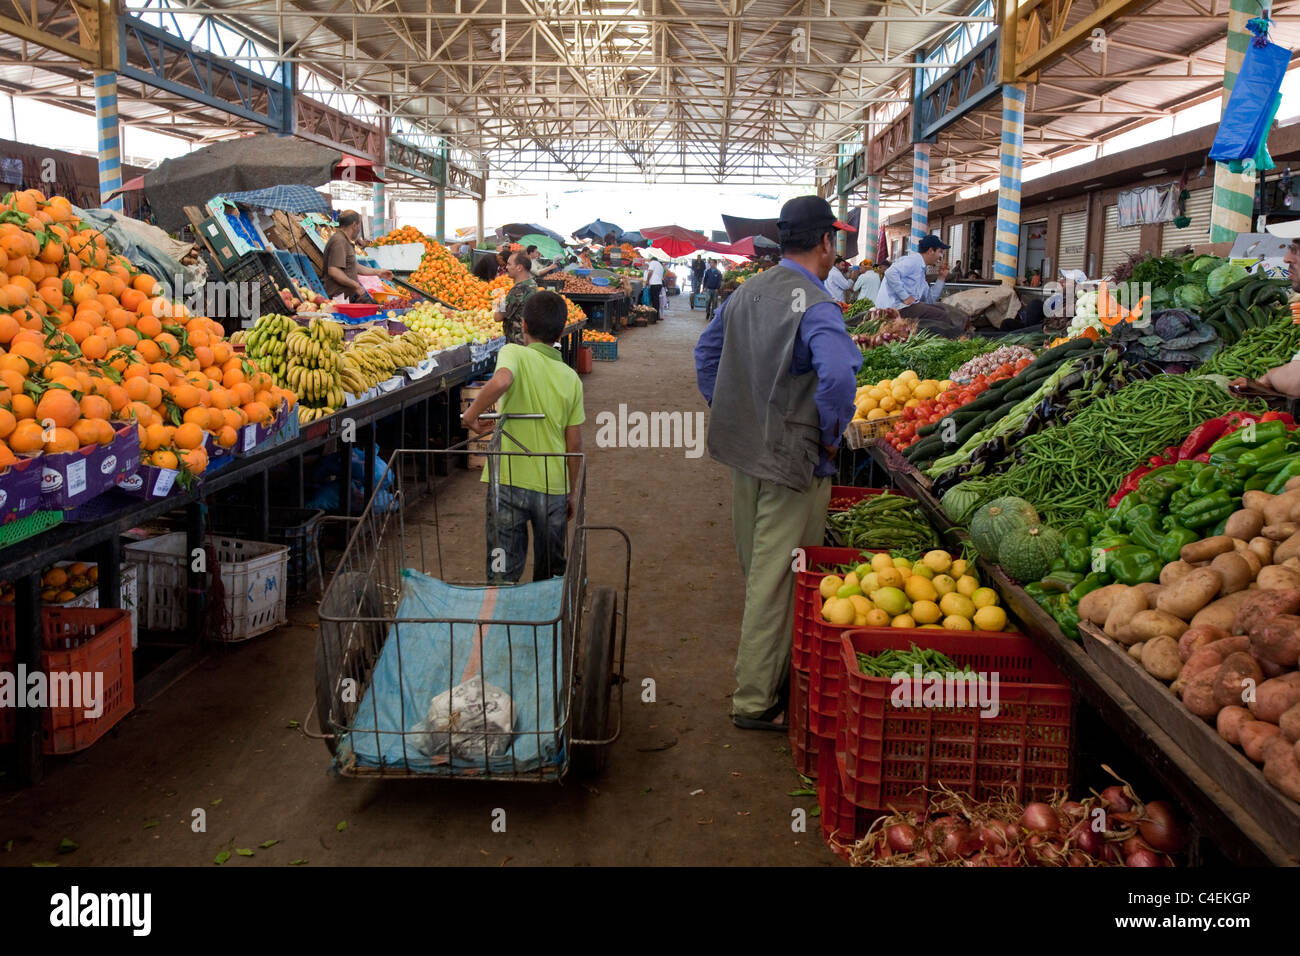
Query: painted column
[(1006, 246), (842, 238), (920, 194), (478, 221), (1234, 193), (109, 139), (869, 242), (379, 224), (440, 223)]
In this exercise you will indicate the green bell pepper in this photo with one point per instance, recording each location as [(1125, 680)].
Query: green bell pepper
[(1094, 580), (1171, 545), (1074, 550), (1261, 434), (1066, 615), (1107, 541), (1207, 510), (1116, 520), (1142, 523), (1095, 520), (1061, 580), (1180, 497), (1288, 471), (1041, 596), (1189, 469), (1219, 528), (1204, 483), (1157, 491), (1271, 468), (1133, 565), (1257, 482), (1263, 454)]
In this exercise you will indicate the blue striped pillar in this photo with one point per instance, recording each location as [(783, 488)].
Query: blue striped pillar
[(440, 215), (871, 231), (109, 139), (379, 226), (920, 193), (841, 237), (1006, 248)]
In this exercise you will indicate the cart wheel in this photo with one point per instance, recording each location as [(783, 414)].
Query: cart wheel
[(591, 721)]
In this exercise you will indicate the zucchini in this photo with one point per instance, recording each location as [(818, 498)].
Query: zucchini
[(1235, 322)]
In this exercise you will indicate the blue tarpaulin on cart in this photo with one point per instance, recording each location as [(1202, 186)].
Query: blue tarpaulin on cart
[(421, 661)]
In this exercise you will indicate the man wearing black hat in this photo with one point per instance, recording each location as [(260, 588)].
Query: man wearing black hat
[(779, 373), (906, 288)]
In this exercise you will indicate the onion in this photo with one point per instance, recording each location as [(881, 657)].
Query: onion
[(1041, 818), (1161, 828), (1116, 798), (1132, 845), (991, 836), (901, 837), (1143, 858), (1079, 858), (1087, 839), (1074, 809), (1050, 854), (951, 840)]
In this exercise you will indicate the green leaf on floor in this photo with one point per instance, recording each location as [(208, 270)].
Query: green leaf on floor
[(292, 725), (221, 857), (815, 811), (805, 792), (217, 801), (243, 852), (67, 846), (267, 844), (343, 825), (151, 824), (297, 862)]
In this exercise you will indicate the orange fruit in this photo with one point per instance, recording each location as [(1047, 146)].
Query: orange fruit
[(106, 431), (7, 457), (148, 350), (9, 327), (94, 347), (23, 406), (185, 396), (195, 460), (216, 420), (163, 459), (188, 436), (94, 406), (257, 412), (117, 397), (27, 437), (7, 423), (136, 388), (58, 405), (87, 432), (226, 436), (145, 284), (63, 440), (154, 437)]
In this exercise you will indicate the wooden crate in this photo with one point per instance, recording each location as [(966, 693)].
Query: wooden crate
[(1240, 779)]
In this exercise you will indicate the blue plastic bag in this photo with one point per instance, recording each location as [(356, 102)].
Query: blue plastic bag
[(1255, 98)]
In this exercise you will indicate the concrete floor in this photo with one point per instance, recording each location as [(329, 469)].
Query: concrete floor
[(219, 738)]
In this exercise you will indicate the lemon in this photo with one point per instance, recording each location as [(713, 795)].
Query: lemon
[(954, 622), (862, 570), (937, 561), (926, 612), (903, 620), (877, 618), (900, 393), (921, 570), (851, 580), (827, 606), (849, 590), (870, 582), (931, 627), (830, 584), (841, 612), (957, 604), (967, 585), (866, 403), (984, 597), (908, 376), (958, 568), (903, 564), (945, 385), (990, 618), (944, 584), (920, 589), (876, 413), (891, 600), (877, 393), (912, 403), (927, 389), (887, 404), (861, 605), (885, 383), (881, 561), (890, 578)]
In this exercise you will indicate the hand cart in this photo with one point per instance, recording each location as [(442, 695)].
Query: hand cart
[(407, 617)]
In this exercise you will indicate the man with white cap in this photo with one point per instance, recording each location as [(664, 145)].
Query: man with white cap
[(1285, 379)]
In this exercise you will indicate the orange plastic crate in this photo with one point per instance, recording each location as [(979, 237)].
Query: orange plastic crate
[(887, 752), (76, 641)]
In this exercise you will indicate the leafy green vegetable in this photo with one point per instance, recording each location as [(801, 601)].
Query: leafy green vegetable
[(1224, 276)]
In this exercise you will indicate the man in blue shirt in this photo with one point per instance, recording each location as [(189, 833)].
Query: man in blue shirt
[(906, 289), (779, 373), (712, 283)]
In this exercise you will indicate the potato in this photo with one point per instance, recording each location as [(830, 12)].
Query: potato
[(1279, 532), (1095, 605), (1243, 524), (1148, 624), (1261, 605), (1235, 571), (1230, 721), (1231, 645), (1292, 563), (1262, 548), (1135, 650), (1198, 693), (1291, 483), (1277, 640), (1279, 509), (1174, 570), (1195, 637), (1150, 590), (1221, 613), (1187, 596), (1256, 500), (1274, 745), (1274, 697), (1203, 658), (1238, 675), (1206, 548), (1290, 724), (1270, 669), (1284, 773), (1253, 737), (1278, 578), (1290, 548), (1122, 610), (1160, 656)]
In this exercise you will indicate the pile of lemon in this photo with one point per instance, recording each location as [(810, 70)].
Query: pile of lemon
[(890, 396), (933, 592)]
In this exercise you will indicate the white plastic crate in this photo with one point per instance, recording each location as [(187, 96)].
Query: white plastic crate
[(254, 576)]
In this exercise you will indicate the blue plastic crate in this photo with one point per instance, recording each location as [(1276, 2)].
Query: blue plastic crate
[(300, 270), (603, 351)]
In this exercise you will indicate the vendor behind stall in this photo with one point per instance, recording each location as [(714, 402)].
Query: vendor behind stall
[(341, 269), (1285, 379)]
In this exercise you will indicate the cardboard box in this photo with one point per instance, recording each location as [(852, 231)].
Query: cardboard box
[(72, 478)]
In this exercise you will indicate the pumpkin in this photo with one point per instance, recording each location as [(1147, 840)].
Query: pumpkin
[(1027, 553), (960, 501), (993, 521)]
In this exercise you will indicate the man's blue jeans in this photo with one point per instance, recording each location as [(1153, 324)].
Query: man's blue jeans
[(507, 539)]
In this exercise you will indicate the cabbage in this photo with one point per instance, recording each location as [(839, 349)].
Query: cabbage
[(1190, 296), (1223, 276)]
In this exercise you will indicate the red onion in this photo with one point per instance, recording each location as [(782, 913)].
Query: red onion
[(1074, 809), (1161, 828), (901, 837), (1041, 818), (1115, 798), (1086, 839), (1143, 858), (1078, 858), (1132, 845), (991, 836)]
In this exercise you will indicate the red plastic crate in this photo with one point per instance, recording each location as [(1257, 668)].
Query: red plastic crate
[(888, 752), (76, 640), (807, 586), (804, 744), (843, 823)]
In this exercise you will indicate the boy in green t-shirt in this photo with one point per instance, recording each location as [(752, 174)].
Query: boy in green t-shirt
[(541, 491)]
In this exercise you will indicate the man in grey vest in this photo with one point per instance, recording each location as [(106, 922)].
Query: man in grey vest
[(779, 373)]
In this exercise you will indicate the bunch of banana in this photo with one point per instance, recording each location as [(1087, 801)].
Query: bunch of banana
[(315, 363), (364, 367), (326, 331), (265, 344), (307, 413)]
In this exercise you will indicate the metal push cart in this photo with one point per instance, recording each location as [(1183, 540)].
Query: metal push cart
[(407, 617)]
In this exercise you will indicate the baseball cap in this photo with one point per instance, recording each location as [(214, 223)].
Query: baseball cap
[(808, 214), (931, 242), (1286, 230)]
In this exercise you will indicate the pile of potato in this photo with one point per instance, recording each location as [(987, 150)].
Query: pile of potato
[(1222, 628)]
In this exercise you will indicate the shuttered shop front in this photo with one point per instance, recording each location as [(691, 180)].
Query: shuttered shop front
[(1118, 243), (1073, 239), (1197, 208)]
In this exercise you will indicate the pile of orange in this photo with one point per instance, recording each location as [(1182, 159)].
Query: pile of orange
[(88, 343), (591, 335), (445, 277)]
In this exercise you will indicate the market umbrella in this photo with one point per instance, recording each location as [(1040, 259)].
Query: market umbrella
[(548, 247), (677, 241), (633, 239), (597, 230), (295, 199), (517, 230), (740, 228), (353, 169), (753, 246), (233, 166)]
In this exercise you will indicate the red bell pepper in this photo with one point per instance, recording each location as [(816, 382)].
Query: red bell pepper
[(1283, 417), (1128, 484)]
